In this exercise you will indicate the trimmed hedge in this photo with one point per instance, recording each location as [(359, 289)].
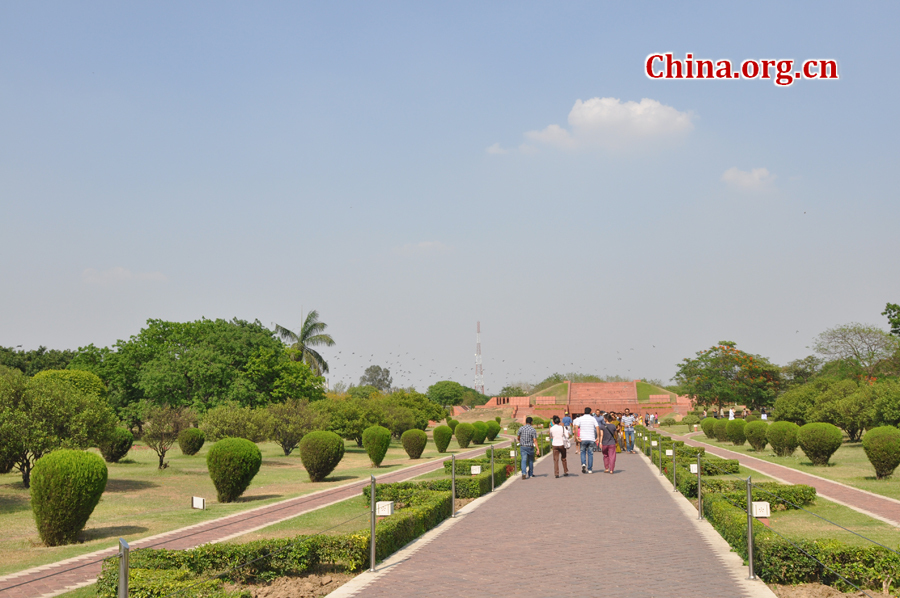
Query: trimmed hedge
[(690, 419), (497, 419), (464, 433), (735, 432), (882, 447), (479, 433), (232, 464), (442, 436), (782, 435), (190, 441), (819, 441), (414, 442), (377, 441), (707, 424), (320, 453), (755, 432), (66, 485), (452, 423), (116, 446), (720, 430), (493, 429)]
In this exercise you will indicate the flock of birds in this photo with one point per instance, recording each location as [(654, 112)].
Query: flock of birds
[(408, 371)]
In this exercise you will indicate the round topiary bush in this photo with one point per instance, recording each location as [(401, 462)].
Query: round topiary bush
[(480, 432), (755, 432), (232, 464), (690, 420), (493, 428), (735, 432), (414, 442), (719, 430), (191, 441), (66, 485), (819, 441), (452, 423), (442, 436), (464, 433), (782, 436), (117, 445), (751, 418), (707, 424), (320, 452), (376, 441), (497, 419), (882, 446), (668, 421)]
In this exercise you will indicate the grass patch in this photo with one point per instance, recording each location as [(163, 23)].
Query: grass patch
[(644, 390), (141, 500), (559, 391)]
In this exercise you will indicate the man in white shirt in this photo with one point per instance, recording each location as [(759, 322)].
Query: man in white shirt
[(588, 434)]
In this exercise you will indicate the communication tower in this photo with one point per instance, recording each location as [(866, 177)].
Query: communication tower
[(479, 374)]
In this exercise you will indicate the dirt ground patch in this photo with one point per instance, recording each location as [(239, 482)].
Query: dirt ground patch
[(815, 590), (313, 585)]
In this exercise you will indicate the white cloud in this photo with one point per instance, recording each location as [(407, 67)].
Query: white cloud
[(757, 178), (118, 275), (496, 149), (422, 248), (611, 123)]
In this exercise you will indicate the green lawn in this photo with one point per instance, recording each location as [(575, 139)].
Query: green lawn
[(848, 465), (141, 500), (557, 390), (644, 390)]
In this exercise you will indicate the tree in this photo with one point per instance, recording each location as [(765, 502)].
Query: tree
[(377, 377), (36, 360), (863, 348), (348, 417), (512, 391), (312, 334), (423, 409), (86, 382), (892, 311), (289, 422), (271, 376), (446, 392), (724, 375), (162, 428), (39, 415), (847, 405), (801, 371)]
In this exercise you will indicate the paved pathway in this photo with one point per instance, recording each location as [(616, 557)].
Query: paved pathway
[(880, 507), (57, 578), (624, 535)]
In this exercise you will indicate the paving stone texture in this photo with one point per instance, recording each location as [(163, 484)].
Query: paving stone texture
[(621, 535)]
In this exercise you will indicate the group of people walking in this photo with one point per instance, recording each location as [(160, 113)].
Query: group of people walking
[(608, 431)]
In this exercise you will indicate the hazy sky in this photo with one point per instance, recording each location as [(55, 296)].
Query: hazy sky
[(410, 168)]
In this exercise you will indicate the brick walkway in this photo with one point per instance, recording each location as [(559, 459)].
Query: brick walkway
[(873, 505), (57, 578), (625, 535)]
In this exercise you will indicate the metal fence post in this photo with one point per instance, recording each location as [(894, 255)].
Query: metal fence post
[(492, 468), (674, 469), (123, 568), (372, 543), (750, 529), (699, 490), (453, 486)]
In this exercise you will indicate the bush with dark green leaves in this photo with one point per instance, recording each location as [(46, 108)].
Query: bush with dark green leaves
[(452, 423), (751, 418), (782, 435), (320, 452), (464, 433), (414, 442), (66, 485), (668, 421), (480, 432), (191, 441), (442, 436), (735, 432), (720, 430), (376, 441), (690, 420), (882, 446), (493, 428), (116, 445), (514, 427), (755, 432), (819, 441), (232, 464), (497, 419), (707, 424)]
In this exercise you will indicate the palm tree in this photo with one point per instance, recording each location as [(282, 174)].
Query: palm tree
[(311, 335)]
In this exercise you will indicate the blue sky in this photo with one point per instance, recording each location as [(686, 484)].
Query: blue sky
[(390, 164)]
